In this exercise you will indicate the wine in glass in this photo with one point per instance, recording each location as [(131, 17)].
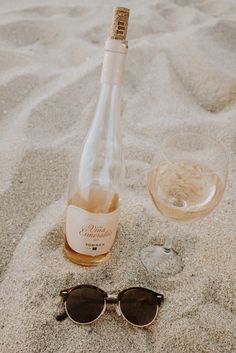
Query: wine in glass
[(186, 182)]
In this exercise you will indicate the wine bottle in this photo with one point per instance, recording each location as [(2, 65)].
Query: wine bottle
[(96, 181)]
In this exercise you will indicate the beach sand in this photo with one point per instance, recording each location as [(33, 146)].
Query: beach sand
[(180, 76)]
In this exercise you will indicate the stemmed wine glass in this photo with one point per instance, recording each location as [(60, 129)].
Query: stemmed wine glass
[(186, 182)]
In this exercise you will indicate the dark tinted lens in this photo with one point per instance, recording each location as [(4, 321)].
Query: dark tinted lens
[(85, 304), (138, 306)]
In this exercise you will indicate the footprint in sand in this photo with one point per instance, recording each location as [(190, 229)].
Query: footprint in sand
[(15, 92), (50, 11), (26, 32), (36, 176), (61, 111)]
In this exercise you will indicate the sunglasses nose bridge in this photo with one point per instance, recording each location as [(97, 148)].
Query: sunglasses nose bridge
[(112, 299)]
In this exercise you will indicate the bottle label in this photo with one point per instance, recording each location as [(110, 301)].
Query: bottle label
[(90, 233)]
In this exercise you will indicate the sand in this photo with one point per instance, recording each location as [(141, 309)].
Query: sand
[(180, 76)]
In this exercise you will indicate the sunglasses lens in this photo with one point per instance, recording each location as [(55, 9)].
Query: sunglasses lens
[(138, 306), (85, 304)]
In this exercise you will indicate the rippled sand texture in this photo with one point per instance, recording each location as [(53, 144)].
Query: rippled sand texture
[(181, 75)]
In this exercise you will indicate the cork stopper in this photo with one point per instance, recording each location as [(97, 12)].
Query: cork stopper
[(119, 25)]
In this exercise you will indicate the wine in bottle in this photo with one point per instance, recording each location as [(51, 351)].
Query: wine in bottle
[(96, 181)]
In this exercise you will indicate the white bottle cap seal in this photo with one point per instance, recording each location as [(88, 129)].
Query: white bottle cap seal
[(114, 61)]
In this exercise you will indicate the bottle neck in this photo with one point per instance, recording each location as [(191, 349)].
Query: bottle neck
[(107, 116), (114, 62)]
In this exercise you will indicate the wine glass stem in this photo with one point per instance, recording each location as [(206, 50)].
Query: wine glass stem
[(168, 244)]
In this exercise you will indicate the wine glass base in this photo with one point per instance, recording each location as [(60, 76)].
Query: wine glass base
[(160, 261)]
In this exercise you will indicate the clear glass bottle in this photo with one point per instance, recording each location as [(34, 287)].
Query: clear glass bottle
[(96, 181)]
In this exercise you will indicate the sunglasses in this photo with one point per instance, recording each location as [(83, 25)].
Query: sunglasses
[(85, 304)]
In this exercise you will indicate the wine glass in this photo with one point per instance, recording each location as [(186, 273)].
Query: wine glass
[(186, 182)]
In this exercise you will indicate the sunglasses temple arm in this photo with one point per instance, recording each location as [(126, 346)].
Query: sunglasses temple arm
[(62, 316)]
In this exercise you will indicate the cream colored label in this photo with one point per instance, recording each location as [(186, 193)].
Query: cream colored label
[(90, 233)]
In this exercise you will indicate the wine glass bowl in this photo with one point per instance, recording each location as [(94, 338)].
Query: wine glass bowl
[(186, 182)]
